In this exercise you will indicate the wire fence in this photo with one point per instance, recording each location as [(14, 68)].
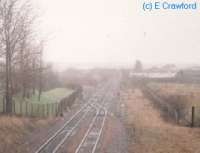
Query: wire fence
[(185, 116), (189, 116), (195, 116)]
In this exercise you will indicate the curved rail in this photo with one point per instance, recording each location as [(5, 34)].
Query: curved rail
[(54, 143)]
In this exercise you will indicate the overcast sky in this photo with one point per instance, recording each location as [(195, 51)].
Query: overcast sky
[(118, 32)]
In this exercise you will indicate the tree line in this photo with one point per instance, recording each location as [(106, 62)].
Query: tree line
[(21, 49)]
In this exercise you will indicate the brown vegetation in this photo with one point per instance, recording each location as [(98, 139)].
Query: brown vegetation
[(14, 131), (180, 97), (151, 133)]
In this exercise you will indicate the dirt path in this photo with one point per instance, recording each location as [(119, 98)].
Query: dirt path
[(151, 133)]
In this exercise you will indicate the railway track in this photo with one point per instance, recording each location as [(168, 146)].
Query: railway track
[(94, 110), (89, 143), (91, 138), (53, 143)]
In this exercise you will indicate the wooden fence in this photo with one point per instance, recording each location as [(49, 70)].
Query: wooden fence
[(25, 108)]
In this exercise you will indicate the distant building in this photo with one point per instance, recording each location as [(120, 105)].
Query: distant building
[(191, 75), (166, 71), (155, 75)]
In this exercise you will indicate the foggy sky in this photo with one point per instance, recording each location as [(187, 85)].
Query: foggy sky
[(118, 32)]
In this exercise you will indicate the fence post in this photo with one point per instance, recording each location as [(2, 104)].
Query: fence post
[(52, 110), (61, 108), (21, 108), (56, 108), (51, 106), (176, 116), (31, 109), (4, 104), (38, 110), (44, 110), (14, 108), (193, 116), (47, 110), (26, 108)]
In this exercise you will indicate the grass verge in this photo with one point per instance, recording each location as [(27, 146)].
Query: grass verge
[(151, 134)]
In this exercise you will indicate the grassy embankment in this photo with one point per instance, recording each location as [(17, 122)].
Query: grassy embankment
[(14, 130)]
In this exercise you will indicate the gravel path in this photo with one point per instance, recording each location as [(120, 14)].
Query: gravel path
[(114, 138)]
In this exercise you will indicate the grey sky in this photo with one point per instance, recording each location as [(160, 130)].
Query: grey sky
[(118, 31)]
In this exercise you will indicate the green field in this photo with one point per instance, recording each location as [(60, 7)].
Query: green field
[(52, 96), (47, 106)]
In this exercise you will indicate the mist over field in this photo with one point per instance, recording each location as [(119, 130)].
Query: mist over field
[(118, 32), (108, 76)]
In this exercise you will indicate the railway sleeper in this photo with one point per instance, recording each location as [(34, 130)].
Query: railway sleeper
[(90, 143), (66, 131), (93, 134)]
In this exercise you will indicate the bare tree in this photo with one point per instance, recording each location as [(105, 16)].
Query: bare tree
[(40, 71), (16, 31)]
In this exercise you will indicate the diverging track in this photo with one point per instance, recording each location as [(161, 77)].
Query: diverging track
[(83, 132), (90, 140), (93, 116), (53, 143)]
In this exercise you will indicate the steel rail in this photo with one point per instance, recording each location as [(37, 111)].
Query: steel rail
[(60, 130), (61, 142), (86, 134), (89, 130), (69, 133), (100, 133)]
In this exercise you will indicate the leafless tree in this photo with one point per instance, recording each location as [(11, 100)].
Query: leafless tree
[(16, 38), (40, 71)]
